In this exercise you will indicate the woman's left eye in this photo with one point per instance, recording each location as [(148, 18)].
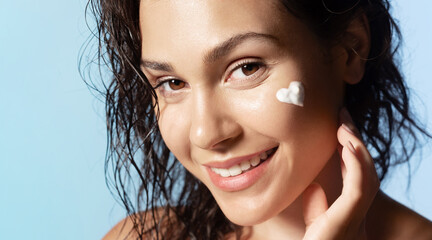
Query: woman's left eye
[(246, 71)]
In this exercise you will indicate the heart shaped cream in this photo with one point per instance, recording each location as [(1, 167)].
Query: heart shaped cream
[(294, 94)]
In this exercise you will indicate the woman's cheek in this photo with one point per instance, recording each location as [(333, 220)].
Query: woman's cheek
[(259, 109), (173, 124), (299, 128)]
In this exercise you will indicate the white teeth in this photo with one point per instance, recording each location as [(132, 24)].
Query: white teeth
[(235, 170), (255, 161), (224, 172), (245, 165)]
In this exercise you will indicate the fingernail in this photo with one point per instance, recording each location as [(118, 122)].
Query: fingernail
[(351, 147), (346, 127), (347, 122)]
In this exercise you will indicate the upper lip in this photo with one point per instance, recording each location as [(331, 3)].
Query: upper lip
[(233, 161)]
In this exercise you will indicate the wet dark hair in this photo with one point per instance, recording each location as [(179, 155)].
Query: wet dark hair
[(164, 200)]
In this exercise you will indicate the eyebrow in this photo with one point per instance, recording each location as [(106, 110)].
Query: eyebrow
[(160, 66), (227, 46), (216, 53)]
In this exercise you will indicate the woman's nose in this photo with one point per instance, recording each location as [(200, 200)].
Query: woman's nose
[(212, 123)]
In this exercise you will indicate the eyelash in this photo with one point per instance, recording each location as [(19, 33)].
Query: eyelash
[(161, 82), (250, 78), (245, 62)]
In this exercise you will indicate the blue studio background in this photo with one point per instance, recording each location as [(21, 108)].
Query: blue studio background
[(52, 129)]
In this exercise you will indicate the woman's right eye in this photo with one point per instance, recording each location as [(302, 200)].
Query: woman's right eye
[(168, 87)]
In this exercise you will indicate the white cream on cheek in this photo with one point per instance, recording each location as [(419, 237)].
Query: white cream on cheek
[(294, 94)]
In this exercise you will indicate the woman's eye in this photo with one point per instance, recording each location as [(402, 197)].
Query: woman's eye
[(175, 84), (249, 69), (245, 70), (171, 85)]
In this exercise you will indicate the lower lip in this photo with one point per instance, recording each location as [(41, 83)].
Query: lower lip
[(242, 181)]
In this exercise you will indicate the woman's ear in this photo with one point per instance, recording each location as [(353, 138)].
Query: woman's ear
[(356, 44)]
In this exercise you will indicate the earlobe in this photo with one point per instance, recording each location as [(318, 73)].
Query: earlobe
[(357, 46)]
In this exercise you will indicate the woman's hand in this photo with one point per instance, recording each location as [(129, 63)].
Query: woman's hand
[(345, 218)]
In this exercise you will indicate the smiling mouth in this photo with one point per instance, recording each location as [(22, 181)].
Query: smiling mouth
[(245, 165)]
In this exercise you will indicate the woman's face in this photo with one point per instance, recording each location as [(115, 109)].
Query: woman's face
[(218, 66)]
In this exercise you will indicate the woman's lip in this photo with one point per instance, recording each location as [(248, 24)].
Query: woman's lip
[(233, 161), (242, 181)]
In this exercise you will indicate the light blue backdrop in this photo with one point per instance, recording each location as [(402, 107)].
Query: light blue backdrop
[(52, 130)]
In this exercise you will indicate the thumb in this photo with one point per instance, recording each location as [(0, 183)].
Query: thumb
[(314, 203)]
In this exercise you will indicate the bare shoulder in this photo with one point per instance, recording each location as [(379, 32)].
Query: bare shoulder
[(122, 230), (127, 228), (388, 219), (416, 226)]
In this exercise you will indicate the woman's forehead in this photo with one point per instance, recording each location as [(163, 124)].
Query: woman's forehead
[(167, 25), (199, 16)]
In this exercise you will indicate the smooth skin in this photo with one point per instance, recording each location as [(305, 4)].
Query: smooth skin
[(217, 70), (345, 219)]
